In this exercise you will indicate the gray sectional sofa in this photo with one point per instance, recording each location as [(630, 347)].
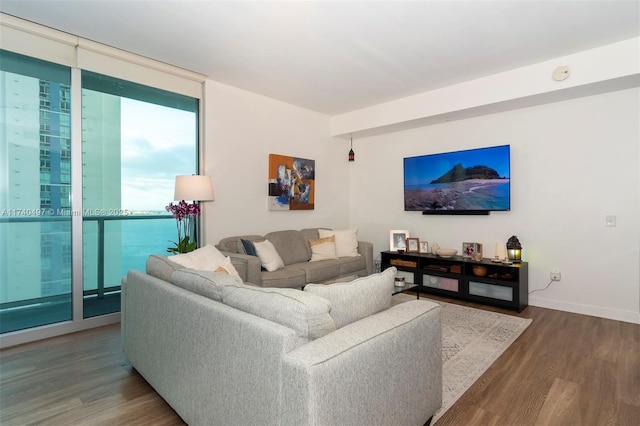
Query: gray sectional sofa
[(293, 247), (221, 352)]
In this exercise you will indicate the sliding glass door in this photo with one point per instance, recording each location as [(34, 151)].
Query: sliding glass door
[(134, 140), (35, 185)]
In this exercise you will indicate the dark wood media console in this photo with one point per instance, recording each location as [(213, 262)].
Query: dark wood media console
[(486, 282)]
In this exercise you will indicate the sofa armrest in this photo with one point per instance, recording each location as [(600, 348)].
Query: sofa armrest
[(383, 369), (366, 249), (250, 264)]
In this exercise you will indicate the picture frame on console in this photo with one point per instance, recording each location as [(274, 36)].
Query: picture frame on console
[(424, 247), (469, 249), (413, 245), (398, 239)]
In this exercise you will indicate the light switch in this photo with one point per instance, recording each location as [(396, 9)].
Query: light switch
[(610, 221)]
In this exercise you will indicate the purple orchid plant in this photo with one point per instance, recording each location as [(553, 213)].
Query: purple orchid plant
[(185, 215)]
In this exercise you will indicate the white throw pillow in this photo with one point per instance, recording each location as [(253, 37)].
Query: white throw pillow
[(269, 257), (207, 258), (323, 249), (346, 241), (358, 299)]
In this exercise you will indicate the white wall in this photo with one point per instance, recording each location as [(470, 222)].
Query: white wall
[(573, 163), (242, 129)]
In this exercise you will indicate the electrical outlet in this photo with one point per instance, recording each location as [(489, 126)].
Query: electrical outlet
[(555, 275)]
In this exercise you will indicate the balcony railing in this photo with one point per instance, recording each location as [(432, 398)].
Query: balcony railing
[(103, 294)]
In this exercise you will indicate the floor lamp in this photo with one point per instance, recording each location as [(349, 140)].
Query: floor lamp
[(196, 188)]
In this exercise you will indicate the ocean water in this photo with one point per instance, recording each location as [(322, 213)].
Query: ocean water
[(141, 238), (465, 195)]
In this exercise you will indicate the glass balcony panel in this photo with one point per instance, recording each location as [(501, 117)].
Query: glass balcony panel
[(35, 279), (113, 246)]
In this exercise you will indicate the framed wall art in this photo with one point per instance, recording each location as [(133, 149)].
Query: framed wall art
[(291, 183)]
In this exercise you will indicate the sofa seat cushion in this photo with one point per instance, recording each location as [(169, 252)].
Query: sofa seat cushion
[(205, 283), (288, 276), (358, 299), (319, 271), (305, 313), (292, 246)]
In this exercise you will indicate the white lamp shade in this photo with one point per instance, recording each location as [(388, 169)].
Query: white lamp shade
[(193, 188)]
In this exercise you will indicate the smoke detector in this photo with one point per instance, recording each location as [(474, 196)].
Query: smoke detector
[(560, 73)]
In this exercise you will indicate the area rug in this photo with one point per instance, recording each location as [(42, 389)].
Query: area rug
[(472, 339)]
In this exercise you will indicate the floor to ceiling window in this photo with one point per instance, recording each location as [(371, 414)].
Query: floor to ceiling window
[(134, 140), (35, 183)]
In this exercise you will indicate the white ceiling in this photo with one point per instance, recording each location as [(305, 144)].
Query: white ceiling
[(338, 56)]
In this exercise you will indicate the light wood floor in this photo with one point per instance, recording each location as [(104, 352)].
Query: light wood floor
[(565, 369)]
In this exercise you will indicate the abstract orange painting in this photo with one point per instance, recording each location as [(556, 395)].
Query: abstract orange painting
[(291, 183)]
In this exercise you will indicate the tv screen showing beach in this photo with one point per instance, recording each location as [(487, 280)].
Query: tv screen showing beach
[(475, 179)]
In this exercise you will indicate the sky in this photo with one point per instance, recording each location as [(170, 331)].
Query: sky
[(158, 143), (423, 169)]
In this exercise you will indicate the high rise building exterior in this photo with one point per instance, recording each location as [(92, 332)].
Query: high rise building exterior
[(101, 187), (20, 242)]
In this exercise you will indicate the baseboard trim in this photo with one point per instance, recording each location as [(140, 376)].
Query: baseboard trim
[(44, 332), (595, 311)]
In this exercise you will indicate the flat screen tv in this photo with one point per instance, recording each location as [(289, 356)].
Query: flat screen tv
[(474, 181)]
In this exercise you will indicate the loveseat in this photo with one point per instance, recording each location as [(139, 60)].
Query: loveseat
[(306, 257), (221, 352)]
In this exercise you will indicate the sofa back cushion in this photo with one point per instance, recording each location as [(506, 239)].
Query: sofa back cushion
[(205, 283), (305, 313), (160, 266), (292, 246), (310, 233), (357, 299)]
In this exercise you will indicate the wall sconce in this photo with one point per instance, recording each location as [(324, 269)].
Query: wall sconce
[(352, 155), (514, 250)]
